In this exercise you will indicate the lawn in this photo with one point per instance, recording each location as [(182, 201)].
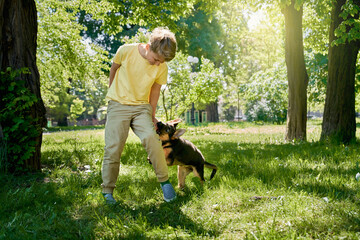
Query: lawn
[(264, 189)]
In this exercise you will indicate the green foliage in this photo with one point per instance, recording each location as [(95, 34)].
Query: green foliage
[(107, 22), (278, 3), (69, 66), (76, 108), (116, 14), (92, 32), (235, 41), (229, 113), (349, 29), (186, 86), (316, 25), (217, 30), (264, 189), (317, 66), (3, 154), (266, 96), (253, 41), (142, 36), (199, 34), (357, 86), (18, 127)]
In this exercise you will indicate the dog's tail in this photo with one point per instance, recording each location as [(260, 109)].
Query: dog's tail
[(213, 167)]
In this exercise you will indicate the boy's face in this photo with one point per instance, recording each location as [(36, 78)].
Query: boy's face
[(154, 58)]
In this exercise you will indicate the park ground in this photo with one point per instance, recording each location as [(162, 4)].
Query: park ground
[(265, 188)]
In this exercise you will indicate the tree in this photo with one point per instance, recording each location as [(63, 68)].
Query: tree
[(235, 49), (339, 112), (116, 14), (296, 70), (265, 95), (186, 86), (199, 34), (93, 30), (296, 73), (18, 24), (316, 24), (76, 109), (70, 67), (252, 42), (317, 65), (357, 88), (72, 39)]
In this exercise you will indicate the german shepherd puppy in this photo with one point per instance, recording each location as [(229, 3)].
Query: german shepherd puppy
[(183, 153)]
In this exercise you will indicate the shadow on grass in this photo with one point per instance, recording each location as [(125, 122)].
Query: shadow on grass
[(34, 209), (310, 167), (63, 210), (299, 166), (139, 209), (305, 167), (156, 218)]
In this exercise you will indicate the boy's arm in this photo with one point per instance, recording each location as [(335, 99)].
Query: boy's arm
[(113, 69), (153, 99)]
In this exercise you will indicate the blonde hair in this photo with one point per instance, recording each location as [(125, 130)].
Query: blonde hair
[(163, 42)]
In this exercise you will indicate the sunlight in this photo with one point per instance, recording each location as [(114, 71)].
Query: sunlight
[(255, 19)]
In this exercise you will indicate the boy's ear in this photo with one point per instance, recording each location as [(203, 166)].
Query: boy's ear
[(179, 133)]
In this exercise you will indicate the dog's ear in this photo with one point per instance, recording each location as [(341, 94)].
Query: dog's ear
[(179, 133), (175, 122)]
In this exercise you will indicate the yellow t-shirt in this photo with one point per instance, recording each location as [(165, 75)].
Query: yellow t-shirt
[(135, 76)]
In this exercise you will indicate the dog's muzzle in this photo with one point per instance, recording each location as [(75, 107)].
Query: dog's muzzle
[(158, 126)]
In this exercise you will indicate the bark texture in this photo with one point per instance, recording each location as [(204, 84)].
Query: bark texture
[(18, 35), (212, 112), (296, 74), (339, 122)]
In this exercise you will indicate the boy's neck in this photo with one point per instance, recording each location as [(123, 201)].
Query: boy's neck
[(142, 50)]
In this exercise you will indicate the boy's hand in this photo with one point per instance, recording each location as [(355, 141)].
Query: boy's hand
[(155, 121)]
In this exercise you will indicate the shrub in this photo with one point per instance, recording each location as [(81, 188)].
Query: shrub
[(266, 96), (18, 127)]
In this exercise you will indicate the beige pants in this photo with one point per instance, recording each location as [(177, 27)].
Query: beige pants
[(119, 119)]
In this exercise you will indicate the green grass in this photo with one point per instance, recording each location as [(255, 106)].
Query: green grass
[(264, 189), (72, 128)]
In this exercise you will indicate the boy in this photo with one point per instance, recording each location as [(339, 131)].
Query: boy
[(136, 76)]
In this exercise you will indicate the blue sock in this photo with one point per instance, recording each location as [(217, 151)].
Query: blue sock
[(166, 182)]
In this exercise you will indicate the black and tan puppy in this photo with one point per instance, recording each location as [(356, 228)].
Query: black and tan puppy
[(181, 152)]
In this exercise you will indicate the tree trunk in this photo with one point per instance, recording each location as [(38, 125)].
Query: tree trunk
[(62, 122), (18, 25), (212, 112), (339, 122), (296, 73)]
